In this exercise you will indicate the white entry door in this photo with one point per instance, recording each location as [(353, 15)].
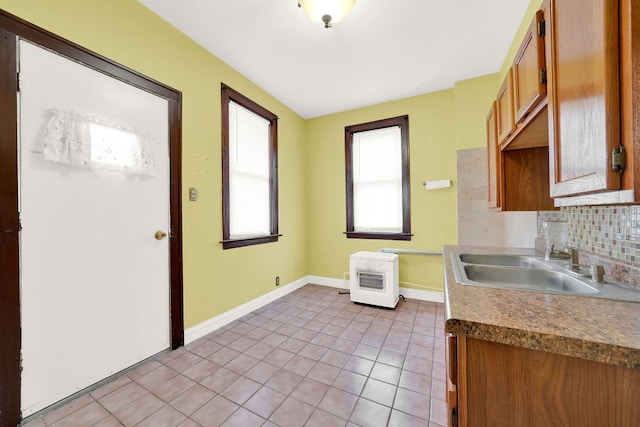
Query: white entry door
[(94, 277)]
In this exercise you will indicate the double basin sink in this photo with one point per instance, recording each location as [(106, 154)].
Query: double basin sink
[(532, 273)]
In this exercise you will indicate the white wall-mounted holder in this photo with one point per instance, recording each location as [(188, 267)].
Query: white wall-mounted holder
[(433, 185)]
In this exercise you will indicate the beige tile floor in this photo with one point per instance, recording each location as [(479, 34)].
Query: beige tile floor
[(310, 358)]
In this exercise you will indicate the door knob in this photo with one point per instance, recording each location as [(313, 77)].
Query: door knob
[(160, 235)]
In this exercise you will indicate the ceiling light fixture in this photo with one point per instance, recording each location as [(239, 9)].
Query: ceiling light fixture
[(326, 11)]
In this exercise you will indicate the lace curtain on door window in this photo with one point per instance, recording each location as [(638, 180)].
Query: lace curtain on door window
[(92, 142)]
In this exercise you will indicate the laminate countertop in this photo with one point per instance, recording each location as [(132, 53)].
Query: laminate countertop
[(597, 329)]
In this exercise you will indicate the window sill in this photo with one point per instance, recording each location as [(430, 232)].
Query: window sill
[(379, 236), (249, 241)]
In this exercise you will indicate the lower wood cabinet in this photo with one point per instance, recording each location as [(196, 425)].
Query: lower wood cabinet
[(502, 385), (451, 356)]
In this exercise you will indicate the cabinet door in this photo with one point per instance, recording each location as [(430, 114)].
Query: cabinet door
[(504, 108), (584, 105), (529, 74), (493, 157), (511, 386), (451, 356)]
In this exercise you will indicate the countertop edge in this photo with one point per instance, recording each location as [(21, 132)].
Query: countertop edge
[(604, 352), (597, 352)]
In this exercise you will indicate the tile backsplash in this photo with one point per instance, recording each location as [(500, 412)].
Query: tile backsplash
[(605, 235), (610, 231)]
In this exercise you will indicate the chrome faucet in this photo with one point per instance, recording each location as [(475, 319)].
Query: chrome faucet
[(595, 271)]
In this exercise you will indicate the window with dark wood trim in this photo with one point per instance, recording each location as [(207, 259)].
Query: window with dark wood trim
[(377, 179), (249, 172)]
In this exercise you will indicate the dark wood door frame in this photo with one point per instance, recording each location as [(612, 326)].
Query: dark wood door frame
[(10, 328)]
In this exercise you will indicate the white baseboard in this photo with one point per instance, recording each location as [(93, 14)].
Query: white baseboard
[(421, 295), (327, 281), (201, 329), (410, 293)]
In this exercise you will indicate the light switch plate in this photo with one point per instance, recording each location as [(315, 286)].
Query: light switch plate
[(193, 194)]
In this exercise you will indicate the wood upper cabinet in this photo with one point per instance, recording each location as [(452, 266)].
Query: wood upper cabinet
[(518, 176), (504, 108), (517, 131), (493, 157), (630, 96), (526, 182), (529, 73), (582, 45)]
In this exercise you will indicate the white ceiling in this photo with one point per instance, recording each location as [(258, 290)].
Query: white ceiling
[(383, 50)]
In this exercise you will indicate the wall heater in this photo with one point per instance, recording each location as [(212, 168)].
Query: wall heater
[(374, 278)]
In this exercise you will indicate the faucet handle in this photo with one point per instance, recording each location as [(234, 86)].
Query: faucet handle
[(574, 253), (597, 273)]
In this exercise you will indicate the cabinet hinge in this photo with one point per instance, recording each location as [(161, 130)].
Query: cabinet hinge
[(20, 367), (454, 416), (543, 76), (18, 81), (541, 28), (618, 159)]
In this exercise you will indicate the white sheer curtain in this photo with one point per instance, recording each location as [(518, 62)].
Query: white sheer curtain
[(377, 180), (89, 141), (249, 198), (67, 140)]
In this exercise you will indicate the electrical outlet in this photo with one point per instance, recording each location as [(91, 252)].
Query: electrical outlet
[(277, 280)]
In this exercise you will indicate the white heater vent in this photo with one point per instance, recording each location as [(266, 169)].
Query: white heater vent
[(374, 278), (371, 280)]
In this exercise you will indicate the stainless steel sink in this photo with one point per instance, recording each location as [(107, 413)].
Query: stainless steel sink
[(504, 260), (532, 279), (531, 273)]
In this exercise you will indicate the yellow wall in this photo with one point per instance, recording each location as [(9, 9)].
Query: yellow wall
[(440, 123), (474, 98), (534, 5), (433, 213), (127, 32), (311, 158)]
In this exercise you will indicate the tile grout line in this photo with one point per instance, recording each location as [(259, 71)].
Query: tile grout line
[(287, 310)]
